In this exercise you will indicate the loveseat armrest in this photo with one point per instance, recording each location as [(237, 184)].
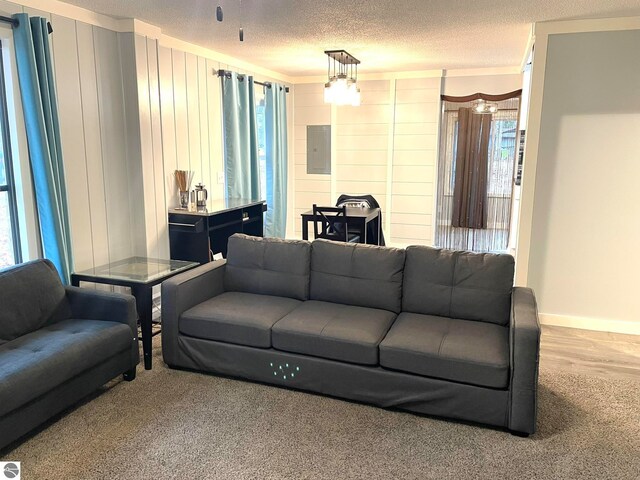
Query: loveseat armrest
[(180, 293), (524, 340), (88, 304)]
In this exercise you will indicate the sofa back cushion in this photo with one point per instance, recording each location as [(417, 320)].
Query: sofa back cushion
[(357, 274), (31, 296), (448, 283), (268, 266)]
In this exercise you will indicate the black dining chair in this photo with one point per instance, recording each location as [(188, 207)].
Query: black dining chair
[(330, 223)]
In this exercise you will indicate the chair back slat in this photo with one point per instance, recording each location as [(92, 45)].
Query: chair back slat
[(330, 223)]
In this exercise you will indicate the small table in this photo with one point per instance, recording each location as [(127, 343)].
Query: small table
[(357, 217), (140, 274)]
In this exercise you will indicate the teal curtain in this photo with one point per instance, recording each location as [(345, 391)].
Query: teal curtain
[(241, 165), (39, 104), (276, 156)]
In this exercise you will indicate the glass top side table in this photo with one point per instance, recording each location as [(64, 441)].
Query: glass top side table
[(140, 274)]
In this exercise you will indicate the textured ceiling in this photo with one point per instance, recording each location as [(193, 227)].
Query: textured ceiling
[(289, 36)]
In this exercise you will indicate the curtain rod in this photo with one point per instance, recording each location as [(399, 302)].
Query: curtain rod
[(227, 74), (13, 21), (499, 109)]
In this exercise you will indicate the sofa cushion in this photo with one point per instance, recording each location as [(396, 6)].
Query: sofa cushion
[(330, 330), (471, 286), (268, 266), (37, 362), (357, 274), (459, 350), (31, 295), (236, 317)]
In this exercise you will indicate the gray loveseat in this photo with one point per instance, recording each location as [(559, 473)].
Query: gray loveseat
[(57, 345), (426, 330)]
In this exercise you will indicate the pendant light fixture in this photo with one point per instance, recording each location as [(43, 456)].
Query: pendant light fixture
[(481, 106), (342, 79)]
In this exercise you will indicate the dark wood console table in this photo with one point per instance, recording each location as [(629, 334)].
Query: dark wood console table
[(196, 235)]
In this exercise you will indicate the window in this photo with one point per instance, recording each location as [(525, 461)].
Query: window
[(9, 231), (493, 236), (262, 141)]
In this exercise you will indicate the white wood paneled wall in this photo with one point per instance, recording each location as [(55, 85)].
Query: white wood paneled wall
[(415, 146), (179, 117), (362, 143), (132, 111), (386, 147), (309, 109), (89, 86), (180, 120)]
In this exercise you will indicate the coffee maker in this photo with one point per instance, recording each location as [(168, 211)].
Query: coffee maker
[(201, 196)]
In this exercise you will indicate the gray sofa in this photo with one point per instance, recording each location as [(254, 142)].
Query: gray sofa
[(426, 330), (57, 345)]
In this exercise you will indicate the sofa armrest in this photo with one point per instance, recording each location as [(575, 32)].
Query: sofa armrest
[(180, 293), (87, 304), (524, 339)]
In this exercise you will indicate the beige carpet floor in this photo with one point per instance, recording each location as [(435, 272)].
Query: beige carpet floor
[(183, 425)]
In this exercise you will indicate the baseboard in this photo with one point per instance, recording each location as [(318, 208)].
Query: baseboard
[(585, 323)]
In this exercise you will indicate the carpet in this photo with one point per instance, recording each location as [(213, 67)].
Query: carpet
[(183, 425)]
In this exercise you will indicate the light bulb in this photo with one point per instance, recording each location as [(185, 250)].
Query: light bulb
[(355, 99), (354, 93), (341, 90)]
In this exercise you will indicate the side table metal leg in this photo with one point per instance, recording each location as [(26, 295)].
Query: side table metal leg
[(363, 238), (143, 304)]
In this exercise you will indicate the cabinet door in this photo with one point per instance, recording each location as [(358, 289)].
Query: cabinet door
[(253, 220), (221, 227), (188, 239)]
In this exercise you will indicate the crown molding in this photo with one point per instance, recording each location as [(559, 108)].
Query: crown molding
[(587, 25)]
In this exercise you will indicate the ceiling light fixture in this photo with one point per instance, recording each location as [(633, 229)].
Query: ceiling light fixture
[(342, 79), (481, 106)]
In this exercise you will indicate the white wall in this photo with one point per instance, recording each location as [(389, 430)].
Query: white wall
[(179, 115), (386, 147), (89, 85), (133, 108), (586, 209)]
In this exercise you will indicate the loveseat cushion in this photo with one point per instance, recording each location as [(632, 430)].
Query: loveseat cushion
[(448, 283), (268, 266), (357, 274), (31, 295), (236, 317), (459, 350), (335, 331), (37, 362)]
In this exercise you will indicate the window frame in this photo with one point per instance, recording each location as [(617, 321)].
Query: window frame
[(9, 186)]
